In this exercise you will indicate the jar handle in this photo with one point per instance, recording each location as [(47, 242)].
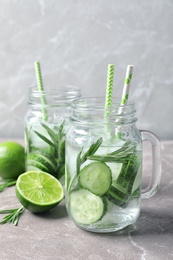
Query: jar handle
[(154, 183)]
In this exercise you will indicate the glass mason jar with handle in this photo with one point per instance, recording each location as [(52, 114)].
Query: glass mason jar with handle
[(103, 181), (46, 122)]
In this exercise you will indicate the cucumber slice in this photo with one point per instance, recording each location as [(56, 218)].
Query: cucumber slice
[(136, 193), (116, 199), (85, 207), (96, 177), (119, 191), (51, 165), (138, 180), (128, 172), (34, 165), (134, 175)]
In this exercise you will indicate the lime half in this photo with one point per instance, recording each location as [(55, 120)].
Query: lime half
[(38, 191)]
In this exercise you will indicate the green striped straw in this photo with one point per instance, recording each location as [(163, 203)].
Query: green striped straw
[(109, 89), (40, 88)]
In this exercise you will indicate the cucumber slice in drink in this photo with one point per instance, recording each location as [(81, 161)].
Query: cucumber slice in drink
[(85, 207), (138, 180), (43, 159), (33, 165), (135, 176), (96, 177), (119, 191), (116, 199), (128, 173)]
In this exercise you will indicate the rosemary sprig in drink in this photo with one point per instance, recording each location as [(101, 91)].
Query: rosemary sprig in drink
[(92, 149), (52, 160), (121, 186)]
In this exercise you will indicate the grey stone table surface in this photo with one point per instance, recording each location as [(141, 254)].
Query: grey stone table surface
[(53, 236)]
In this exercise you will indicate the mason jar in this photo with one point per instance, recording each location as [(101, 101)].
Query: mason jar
[(103, 184), (46, 122)]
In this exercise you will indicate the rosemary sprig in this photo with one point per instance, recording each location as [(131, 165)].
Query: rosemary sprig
[(12, 216), (128, 156), (106, 158), (120, 155), (92, 149), (44, 139), (80, 160), (6, 183), (57, 144)]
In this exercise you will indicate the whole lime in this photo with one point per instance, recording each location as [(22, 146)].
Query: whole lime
[(12, 160)]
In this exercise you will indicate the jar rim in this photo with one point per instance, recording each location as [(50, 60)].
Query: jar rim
[(54, 95), (60, 89), (98, 103), (93, 111)]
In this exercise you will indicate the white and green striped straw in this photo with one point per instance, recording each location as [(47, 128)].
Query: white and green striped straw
[(127, 82), (125, 94), (109, 89), (40, 87)]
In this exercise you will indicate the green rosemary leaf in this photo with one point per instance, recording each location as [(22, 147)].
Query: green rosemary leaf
[(6, 183), (8, 218), (61, 130), (78, 162), (3, 221), (45, 139), (5, 211), (61, 151), (13, 216), (57, 147), (51, 134), (16, 216), (105, 158), (119, 156), (93, 148), (126, 148)]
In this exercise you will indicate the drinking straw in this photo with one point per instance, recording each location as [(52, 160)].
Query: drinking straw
[(109, 89), (127, 82), (40, 87), (125, 94)]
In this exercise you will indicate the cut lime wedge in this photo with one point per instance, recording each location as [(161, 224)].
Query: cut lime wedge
[(38, 191)]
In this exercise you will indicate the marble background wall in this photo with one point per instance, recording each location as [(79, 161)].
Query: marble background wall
[(75, 40)]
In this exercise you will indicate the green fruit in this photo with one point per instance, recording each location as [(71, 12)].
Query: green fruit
[(38, 191), (12, 160)]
